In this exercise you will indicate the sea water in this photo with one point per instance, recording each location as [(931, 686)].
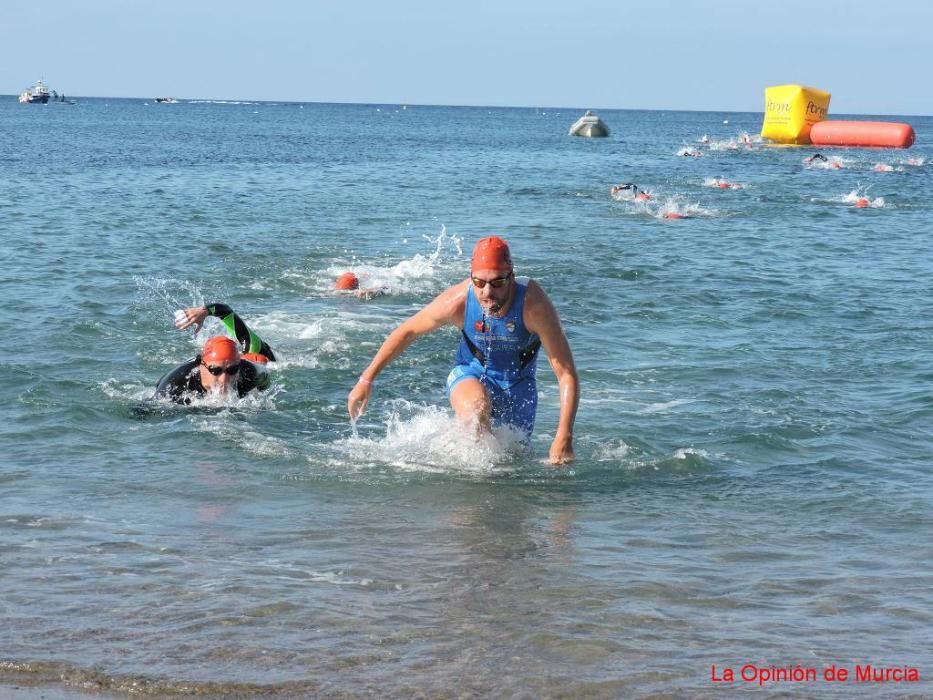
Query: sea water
[(752, 486)]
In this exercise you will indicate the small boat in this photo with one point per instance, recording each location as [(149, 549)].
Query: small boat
[(589, 126), (37, 94), (166, 100)]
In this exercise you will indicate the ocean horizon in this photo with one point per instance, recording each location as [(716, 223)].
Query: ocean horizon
[(401, 103)]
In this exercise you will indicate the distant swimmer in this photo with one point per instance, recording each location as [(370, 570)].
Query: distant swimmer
[(862, 203), (690, 151), (722, 183), (883, 168), (349, 282), (820, 159), (223, 365), (674, 215), (627, 192), (504, 321)]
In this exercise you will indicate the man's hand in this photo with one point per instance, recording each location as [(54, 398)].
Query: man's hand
[(359, 398), (191, 317), (561, 451)]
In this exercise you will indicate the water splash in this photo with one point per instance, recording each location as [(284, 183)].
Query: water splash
[(429, 439), (722, 184), (419, 274), (860, 199)]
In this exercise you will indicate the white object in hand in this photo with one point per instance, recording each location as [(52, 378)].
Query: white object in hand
[(180, 316)]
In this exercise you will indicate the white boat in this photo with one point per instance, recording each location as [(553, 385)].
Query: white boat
[(37, 94), (590, 126)]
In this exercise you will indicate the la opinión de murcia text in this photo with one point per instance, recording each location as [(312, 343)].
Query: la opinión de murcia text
[(861, 673)]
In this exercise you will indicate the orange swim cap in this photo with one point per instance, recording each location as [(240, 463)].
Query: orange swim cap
[(347, 281), (861, 203), (220, 348), (255, 357), (491, 253)]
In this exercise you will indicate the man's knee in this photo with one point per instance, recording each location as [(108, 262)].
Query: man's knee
[(470, 398)]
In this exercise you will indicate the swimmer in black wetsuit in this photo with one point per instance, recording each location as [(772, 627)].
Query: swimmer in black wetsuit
[(629, 191), (220, 367), (816, 157)]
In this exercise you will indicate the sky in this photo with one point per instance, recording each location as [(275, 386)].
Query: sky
[(874, 57)]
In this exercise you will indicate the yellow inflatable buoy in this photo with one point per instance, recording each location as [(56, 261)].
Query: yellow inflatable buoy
[(790, 111)]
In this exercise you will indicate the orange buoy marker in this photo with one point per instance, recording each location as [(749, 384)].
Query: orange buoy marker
[(871, 134)]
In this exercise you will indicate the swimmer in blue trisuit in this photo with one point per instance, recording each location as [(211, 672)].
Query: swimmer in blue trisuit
[(222, 364), (503, 320)]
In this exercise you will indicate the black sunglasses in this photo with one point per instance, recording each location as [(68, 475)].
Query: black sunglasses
[(217, 371), (495, 284)]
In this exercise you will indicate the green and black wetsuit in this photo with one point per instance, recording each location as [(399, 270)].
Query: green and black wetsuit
[(249, 341), (184, 382)]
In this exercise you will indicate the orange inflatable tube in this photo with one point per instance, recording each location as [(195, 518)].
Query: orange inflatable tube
[(877, 134)]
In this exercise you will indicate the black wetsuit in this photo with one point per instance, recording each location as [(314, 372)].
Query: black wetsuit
[(184, 382)]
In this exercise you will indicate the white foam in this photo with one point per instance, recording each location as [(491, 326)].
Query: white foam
[(611, 452), (422, 273), (233, 430), (685, 452), (722, 184), (126, 391), (861, 193), (430, 439), (663, 406), (677, 205)]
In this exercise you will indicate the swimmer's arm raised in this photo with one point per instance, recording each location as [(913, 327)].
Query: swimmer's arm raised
[(249, 341)]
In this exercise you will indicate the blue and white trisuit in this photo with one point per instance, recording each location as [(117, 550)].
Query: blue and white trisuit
[(503, 355)]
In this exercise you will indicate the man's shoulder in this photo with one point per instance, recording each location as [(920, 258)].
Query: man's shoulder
[(455, 295), (534, 293), (251, 377), (447, 308), (179, 381), (539, 310)]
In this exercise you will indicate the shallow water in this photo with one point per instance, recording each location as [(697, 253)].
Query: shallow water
[(752, 483)]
